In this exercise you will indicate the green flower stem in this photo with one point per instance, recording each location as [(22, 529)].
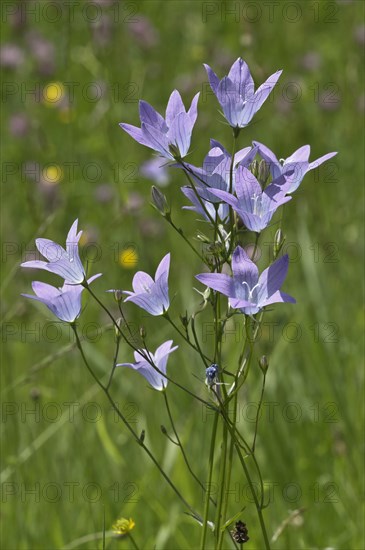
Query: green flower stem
[(182, 448), (210, 477), (181, 233), (258, 412), (221, 484), (229, 471), (205, 358), (133, 541), (117, 344), (197, 341), (253, 492), (129, 427)]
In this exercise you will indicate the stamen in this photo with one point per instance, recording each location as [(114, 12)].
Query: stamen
[(250, 290), (257, 207)]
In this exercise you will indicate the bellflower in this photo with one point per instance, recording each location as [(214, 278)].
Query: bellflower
[(151, 295), (159, 359), (247, 290), (294, 167), (215, 174), (65, 263), (169, 136), (236, 93), (64, 302), (255, 206)]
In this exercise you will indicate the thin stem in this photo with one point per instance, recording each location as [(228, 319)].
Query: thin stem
[(133, 541), (252, 489), (195, 348), (258, 412), (129, 427), (229, 471), (197, 342), (114, 361), (210, 476), (182, 448), (181, 233)]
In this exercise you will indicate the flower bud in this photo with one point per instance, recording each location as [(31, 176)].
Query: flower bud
[(142, 436), (279, 240), (263, 171), (185, 320), (118, 295), (119, 322), (159, 200), (202, 237), (163, 429), (254, 167), (264, 364)]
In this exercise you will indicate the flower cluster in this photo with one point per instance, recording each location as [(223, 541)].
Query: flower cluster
[(233, 192)]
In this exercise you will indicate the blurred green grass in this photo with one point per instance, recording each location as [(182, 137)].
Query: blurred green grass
[(82, 469)]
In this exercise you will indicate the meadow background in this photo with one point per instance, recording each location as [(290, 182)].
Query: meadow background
[(68, 79)]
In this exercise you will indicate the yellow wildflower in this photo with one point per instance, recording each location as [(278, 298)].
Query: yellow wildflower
[(123, 526)]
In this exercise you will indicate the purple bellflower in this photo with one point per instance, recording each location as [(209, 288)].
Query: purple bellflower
[(236, 93), (294, 167), (169, 136), (255, 206), (65, 263), (159, 359), (215, 174), (64, 302), (247, 290), (151, 295)]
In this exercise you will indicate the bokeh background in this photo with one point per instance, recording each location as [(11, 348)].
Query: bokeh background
[(70, 74)]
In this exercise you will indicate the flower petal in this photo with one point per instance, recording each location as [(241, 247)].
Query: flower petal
[(163, 267), (175, 106), (320, 161), (193, 111), (243, 268), (179, 133), (137, 134), (218, 281), (271, 279), (213, 79), (230, 100), (142, 281), (157, 140), (51, 250), (149, 115), (240, 75)]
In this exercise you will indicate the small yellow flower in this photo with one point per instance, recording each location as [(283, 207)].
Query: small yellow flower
[(128, 258), (123, 526), (53, 93), (52, 174)]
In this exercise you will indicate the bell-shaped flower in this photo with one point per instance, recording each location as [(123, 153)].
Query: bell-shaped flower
[(247, 290), (65, 302), (151, 295), (236, 93), (159, 359), (65, 263), (294, 168), (215, 174), (169, 136), (255, 206)]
